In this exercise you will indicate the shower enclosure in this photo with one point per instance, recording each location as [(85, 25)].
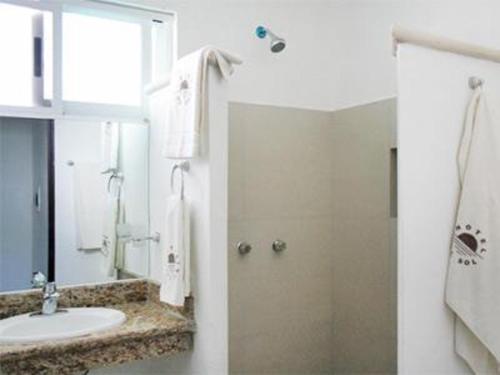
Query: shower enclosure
[(323, 298)]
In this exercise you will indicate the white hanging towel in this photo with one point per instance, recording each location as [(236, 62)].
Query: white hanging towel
[(110, 142), (114, 215), (175, 245), (187, 100), (114, 211), (473, 284), (89, 198)]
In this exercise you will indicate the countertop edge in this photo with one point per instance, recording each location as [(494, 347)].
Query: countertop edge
[(153, 329)]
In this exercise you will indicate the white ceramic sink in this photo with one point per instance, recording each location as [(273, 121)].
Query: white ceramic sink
[(74, 322)]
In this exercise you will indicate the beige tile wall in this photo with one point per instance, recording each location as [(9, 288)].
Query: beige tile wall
[(317, 180), (364, 255)]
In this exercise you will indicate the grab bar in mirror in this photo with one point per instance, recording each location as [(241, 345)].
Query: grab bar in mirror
[(127, 239)]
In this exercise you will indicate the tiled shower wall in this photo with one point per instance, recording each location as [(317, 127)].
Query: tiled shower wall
[(364, 270), (320, 182)]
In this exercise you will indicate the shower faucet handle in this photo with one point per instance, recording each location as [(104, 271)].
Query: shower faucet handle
[(243, 247), (279, 246)]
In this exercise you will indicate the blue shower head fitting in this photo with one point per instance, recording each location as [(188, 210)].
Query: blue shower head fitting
[(261, 32)]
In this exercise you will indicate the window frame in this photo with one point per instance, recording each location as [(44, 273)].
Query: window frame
[(72, 109)]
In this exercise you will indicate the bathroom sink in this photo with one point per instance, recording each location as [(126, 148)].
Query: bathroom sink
[(68, 323)]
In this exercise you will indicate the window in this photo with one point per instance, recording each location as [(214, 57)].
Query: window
[(22, 37), (96, 64), (48, 53), (102, 60)]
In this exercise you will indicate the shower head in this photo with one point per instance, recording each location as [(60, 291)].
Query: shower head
[(277, 44)]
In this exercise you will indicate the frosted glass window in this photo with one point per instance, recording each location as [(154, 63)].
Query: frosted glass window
[(48, 51), (16, 62), (102, 60), (159, 54)]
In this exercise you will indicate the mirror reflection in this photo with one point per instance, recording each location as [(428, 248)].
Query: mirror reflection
[(73, 201)]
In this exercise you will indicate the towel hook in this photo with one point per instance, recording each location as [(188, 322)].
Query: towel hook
[(183, 166), (475, 82)]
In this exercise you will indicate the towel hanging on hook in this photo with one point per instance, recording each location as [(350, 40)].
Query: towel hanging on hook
[(175, 244), (183, 167)]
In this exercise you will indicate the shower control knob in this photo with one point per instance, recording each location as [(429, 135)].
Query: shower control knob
[(244, 247), (279, 246)]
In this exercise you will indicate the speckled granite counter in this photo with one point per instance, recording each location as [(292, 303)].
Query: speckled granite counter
[(152, 329)]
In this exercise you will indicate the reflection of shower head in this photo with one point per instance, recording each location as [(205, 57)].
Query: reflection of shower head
[(277, 44)]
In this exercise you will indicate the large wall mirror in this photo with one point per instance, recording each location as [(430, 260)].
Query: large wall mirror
[(74, 186), (73, 201)]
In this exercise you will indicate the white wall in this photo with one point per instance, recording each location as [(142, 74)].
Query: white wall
[(206, 192), (76, 141), (433, 94), (338, 53)]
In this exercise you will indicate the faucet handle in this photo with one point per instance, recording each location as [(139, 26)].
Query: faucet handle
[(39, 280)]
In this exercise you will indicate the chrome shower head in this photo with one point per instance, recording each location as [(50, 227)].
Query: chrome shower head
[(278, 44)]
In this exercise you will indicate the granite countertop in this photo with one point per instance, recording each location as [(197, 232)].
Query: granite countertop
[(152, 329)]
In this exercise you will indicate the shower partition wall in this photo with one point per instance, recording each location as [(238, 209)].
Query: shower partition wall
[(320, 183)]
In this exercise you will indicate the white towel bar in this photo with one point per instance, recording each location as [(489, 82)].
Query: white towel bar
[(162, 83)]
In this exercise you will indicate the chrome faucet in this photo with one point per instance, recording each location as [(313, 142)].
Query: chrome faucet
[(50, 294), (50, 299)]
